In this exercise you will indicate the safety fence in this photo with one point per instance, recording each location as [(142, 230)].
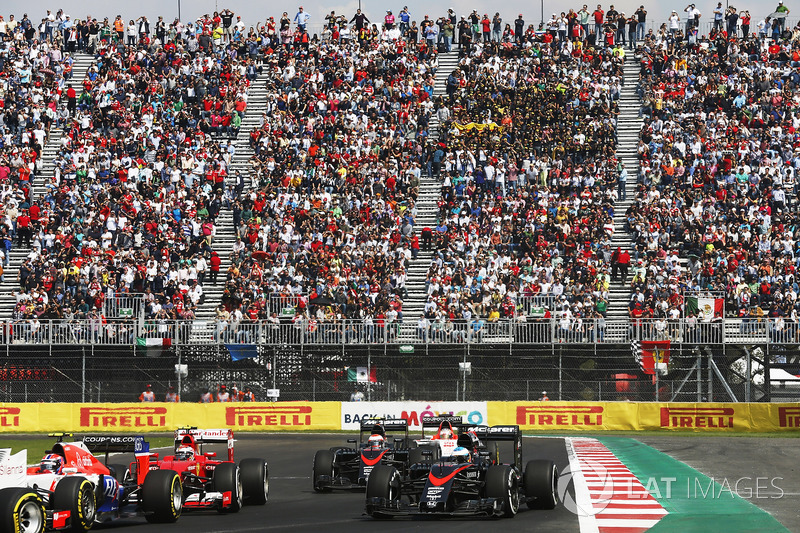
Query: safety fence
[(393, 372), (302, 330)]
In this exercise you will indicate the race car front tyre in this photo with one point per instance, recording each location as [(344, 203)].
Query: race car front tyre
[(76, 495), (21, 511), (323, 466), (228, 478), (383, 482), (502, 484), (162, 496), (255, 481), (541, 484)]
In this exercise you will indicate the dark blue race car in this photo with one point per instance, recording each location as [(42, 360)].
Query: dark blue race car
[(469, 482), (349, 467)]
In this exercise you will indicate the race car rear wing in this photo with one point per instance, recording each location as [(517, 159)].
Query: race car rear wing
[(391, 424), (13, 468), (436, 421), (115, 444), (498, 433), (192, 435)]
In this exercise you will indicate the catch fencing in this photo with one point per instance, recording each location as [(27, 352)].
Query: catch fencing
[(112, 360)]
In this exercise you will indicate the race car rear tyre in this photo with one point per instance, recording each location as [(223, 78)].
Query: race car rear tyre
[(21, 511), (255, 481), (162, 496), (323, 466), (118, 472), (541, 484), (228, 478), (76, 495), (383, 482), (502, 484)]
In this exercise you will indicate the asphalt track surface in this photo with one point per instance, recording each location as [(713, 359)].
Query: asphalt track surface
[(294, 506)]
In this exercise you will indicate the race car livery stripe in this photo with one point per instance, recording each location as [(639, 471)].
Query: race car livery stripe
[(372, 462), (439, 481), (619, 502)]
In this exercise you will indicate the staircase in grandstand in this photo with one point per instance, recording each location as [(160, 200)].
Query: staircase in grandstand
[(628, 125), (240, 162), (42, 176), (448, 62), (429, 189)]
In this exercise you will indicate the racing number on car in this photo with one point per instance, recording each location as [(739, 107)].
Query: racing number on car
[(109, 487)]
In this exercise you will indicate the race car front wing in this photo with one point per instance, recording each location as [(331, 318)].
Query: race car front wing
[(381, 507)]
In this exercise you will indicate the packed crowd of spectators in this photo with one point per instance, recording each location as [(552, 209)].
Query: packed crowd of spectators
[(139, 176), (527, 164), (717, 204), (326, 221)]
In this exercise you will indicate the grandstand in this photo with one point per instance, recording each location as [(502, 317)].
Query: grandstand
[(538, 187)]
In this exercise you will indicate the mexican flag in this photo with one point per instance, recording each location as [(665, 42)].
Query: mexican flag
[(648, 353), (152, 347), (362, 374), (707, 307)]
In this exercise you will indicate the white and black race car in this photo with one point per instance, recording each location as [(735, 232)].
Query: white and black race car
[(469, 482)]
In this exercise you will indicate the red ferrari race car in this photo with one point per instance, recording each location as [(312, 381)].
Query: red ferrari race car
[(210, 483), (71, 489)]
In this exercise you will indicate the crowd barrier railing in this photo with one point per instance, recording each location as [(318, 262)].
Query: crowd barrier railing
[(98, 330)]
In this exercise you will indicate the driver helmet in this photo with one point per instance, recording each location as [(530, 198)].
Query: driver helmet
[(461, 455), (184, 453), (375, 441), (446, 434), (51, 462)]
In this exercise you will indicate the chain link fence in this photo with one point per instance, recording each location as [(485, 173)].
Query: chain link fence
[(384, 372)]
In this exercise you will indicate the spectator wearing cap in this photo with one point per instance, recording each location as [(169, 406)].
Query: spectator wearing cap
[(148, 395), (223, 395), (172, 396), (301, 19)]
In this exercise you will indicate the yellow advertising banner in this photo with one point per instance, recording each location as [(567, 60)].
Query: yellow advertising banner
[(631, 416), (149, 417)]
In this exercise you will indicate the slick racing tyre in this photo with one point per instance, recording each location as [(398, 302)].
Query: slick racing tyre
[(21, 511), (383, 482), (255, 481), (502, 484), (162, 496), (228, 478), (541, 484), (323, 466), (76, 495)]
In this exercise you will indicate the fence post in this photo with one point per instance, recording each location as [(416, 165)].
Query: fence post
[(83, 372), (748, 375), (560, 367), (178, 370), (699, 375), (369, 370)]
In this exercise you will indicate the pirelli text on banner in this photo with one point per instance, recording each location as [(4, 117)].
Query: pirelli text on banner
[(789, 417), (626, 416)]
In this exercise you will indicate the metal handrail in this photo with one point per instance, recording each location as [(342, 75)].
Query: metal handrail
[(302, 330)]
